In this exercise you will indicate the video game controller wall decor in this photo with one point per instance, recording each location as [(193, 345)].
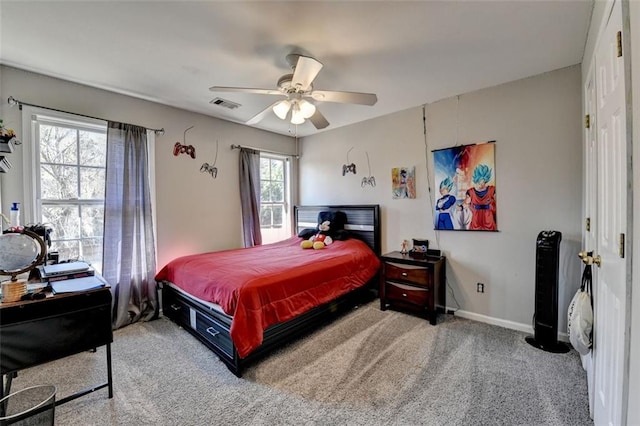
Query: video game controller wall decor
[(211, 169), (348, 168), (183, 148), (368, 180), (190, 150), (206, 168)]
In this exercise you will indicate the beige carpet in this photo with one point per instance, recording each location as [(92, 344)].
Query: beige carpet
[(367, 368)]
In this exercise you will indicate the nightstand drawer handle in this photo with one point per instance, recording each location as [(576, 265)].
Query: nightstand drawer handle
[(404, 294), (212, 331), (176, 307), (404, 274)]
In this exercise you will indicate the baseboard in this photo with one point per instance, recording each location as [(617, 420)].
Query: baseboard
[(512, 325)]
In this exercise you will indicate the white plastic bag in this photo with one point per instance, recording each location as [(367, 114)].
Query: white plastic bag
[(580, 316)]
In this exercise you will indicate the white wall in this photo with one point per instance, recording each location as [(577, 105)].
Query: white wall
[(195, 213), (536, 125)]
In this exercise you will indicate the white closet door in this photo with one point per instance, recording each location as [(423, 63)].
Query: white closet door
[(611, 175), (590, 199)]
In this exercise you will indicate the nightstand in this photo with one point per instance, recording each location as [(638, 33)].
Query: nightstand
[(415, 284)]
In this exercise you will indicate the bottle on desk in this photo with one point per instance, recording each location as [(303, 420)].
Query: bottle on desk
[(14, 215)]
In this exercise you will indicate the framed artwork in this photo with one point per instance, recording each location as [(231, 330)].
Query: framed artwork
[(403, 182), (465, 178)]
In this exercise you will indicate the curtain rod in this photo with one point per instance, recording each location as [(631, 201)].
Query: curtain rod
[(13, 102), (265, 150)]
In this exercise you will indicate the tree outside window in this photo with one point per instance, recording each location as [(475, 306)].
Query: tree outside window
[(71, 184), (273, 198)]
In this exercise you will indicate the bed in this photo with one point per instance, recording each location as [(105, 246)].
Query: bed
[(241, 306)]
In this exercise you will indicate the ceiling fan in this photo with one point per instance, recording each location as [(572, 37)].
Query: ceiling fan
[(297, 88)]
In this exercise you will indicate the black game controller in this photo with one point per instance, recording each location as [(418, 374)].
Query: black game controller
[(348, 168)]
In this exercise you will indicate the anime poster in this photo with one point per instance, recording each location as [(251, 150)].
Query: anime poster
[(465, 182), (403, 182)]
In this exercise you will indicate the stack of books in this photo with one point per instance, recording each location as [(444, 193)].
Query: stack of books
[(65, 271), (76, 284), (70, 277)]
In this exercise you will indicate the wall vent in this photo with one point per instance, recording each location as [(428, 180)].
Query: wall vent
[(224, 103)]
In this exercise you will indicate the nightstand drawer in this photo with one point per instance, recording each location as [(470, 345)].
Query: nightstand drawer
[(414, 274), (408, 294)]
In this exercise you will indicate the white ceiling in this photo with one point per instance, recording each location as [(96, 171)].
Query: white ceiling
[(408, 53)]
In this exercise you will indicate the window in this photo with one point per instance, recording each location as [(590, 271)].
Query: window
[(69, 182), (274, 198)]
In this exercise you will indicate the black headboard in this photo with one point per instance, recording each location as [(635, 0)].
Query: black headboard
[(363, 221)]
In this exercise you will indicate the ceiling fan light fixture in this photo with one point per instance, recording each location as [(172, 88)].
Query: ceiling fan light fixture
[(296, 115), (307, 109), (282, 108), (298, 95)]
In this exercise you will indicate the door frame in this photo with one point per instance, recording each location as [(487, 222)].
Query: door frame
[(633, 409), (600, 17), (626, 51)]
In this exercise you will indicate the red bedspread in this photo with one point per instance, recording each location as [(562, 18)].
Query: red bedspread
[(264, 285)]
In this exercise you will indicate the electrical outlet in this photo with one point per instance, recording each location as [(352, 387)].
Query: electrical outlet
[(480, 288)]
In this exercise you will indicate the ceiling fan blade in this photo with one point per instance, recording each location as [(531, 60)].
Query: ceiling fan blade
[(262, 114), (306, 71), (345, 97), (245, 90), (318, 120)]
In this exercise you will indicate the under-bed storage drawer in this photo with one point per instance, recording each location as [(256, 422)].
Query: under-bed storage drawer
[(176, 309), (214, 332), (190, 315)]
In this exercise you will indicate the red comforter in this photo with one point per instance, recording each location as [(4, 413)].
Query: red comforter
[(264, 285)]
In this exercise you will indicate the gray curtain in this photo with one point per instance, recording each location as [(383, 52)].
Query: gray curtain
[(250, 196), (129, 259)]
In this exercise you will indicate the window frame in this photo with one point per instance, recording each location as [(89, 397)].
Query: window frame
[(32, 164), (286, 203)]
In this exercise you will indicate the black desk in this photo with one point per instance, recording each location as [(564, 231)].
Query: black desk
[(39, 331)]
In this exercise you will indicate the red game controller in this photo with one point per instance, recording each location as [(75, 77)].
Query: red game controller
[(178, 149)]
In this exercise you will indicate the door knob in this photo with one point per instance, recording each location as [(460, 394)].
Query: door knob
[(590, 260), (583, 254)]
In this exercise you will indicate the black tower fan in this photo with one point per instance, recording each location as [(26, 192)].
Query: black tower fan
[(545, 323)]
